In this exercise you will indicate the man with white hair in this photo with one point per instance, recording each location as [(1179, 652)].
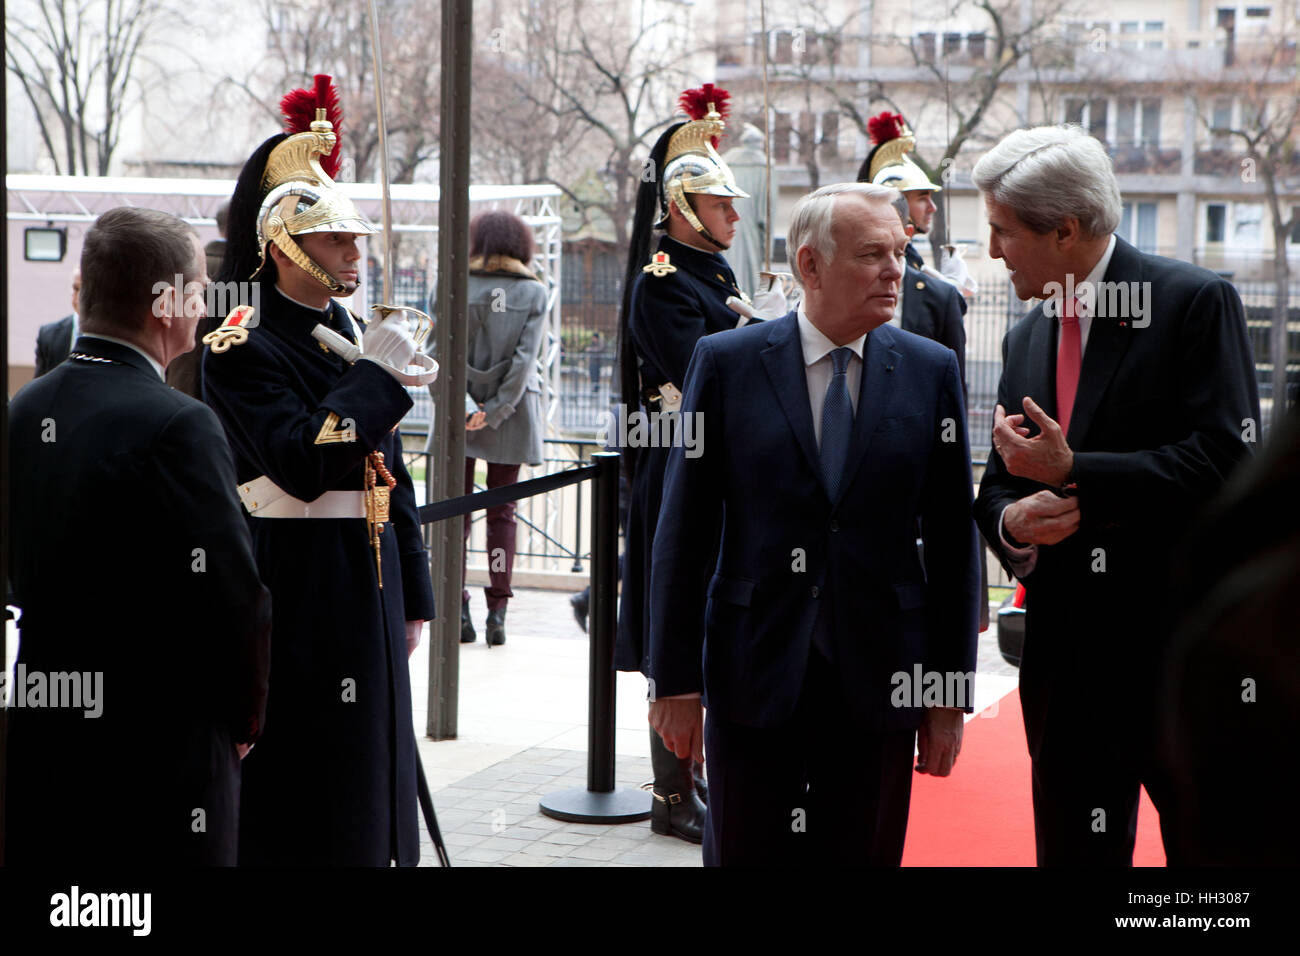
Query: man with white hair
[(1127, 397), (787, 585)]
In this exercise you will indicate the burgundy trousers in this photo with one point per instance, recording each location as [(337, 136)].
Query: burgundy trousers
[(500, 534)]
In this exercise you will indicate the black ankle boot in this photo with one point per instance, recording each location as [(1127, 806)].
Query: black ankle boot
[(697, 777), (676, 809), (467, 635), (581, 603), (496, 627)]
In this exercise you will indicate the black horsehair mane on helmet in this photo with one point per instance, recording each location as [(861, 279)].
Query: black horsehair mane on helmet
[(241, 255), (648, 199), (297, 109)]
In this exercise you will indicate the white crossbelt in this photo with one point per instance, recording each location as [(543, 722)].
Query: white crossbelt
[(265, 499)]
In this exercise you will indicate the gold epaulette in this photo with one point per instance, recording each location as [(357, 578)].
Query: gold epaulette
[(233, 331), (659, 265)]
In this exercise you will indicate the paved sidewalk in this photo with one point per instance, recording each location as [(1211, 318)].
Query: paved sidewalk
[(523, 734)]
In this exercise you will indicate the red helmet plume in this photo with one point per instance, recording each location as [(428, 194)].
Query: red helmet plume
[(885, 126), (695, 103), (299, 110)]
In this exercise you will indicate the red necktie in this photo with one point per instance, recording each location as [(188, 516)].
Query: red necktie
[(1069, 357)]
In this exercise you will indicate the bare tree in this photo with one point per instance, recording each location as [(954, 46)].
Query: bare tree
[(306, 37), (68, 57), (1268, 89), (966, 90), (589, 83)]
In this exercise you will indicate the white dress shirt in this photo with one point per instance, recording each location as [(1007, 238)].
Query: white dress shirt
[(1023, 560), (819, 367)]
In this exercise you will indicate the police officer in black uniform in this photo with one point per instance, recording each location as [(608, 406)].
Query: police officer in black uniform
[(671, 299), (318, 459)]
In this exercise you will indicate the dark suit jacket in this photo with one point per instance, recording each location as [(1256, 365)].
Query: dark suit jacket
[(742, 630), (53, 343), (933, 309), (130, 557), (1157, 426)]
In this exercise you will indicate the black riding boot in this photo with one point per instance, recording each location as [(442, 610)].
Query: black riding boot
[(467, 635), (496, 627), (701, 785), (676, 809)]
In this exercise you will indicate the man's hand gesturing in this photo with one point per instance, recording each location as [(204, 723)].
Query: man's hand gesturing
[(1045, 457)]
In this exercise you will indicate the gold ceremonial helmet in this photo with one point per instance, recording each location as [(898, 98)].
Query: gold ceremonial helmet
[(301, 199), (692, 165), (888, 164)]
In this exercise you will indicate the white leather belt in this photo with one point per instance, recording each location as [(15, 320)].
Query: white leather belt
[(670, 397), (265, 499)]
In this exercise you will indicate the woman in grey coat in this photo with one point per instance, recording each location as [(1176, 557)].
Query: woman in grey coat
[(506, 326)]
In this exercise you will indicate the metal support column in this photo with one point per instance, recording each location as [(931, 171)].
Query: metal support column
[(448, 458)]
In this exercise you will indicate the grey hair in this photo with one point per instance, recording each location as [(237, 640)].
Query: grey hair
[(1048, 174), (813, 215)]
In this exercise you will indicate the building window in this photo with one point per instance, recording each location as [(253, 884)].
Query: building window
[(781, 141), (1126, 121), (1216, 217), (784, 47), (1097, 119), (1090, 114), (1142, 232), (951, 44), (925, 47), (1220, 119), (1150, 130), (830, 135), (1294, 237), (975, 45), (1247, 223)]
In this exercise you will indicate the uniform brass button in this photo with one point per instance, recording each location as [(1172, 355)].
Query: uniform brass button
[(816, 591)]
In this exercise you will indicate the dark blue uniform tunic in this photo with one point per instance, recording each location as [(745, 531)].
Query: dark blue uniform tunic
[(332, 781), (669, 314)]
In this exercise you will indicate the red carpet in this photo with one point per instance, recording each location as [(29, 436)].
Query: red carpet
[(981, 815)]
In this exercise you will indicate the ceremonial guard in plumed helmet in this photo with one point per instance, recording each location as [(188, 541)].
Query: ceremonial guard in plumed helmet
[(311, 404), (673, 297), (930, 303), (889, 165)]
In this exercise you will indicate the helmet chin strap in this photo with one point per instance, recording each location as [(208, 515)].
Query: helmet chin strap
[(684, 207)]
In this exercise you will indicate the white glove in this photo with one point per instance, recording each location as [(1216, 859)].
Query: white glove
[(389, 344), (771, 303), (953, 268)]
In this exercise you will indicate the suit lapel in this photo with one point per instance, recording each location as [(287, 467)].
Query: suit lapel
[(783, 361), (880, 362), (1041, 378), (1108, 340)]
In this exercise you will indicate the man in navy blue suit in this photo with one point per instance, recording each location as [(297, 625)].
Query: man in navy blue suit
[(787, 585)]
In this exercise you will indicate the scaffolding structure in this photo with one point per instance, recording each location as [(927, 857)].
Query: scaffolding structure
[(58, 200)]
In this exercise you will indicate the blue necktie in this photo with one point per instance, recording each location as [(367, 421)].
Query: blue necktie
[(837, 423)]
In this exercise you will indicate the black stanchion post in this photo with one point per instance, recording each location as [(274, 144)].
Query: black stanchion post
[(602, 622), (601, 802)]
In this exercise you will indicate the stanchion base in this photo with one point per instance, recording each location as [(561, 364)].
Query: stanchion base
[(588, 806)]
